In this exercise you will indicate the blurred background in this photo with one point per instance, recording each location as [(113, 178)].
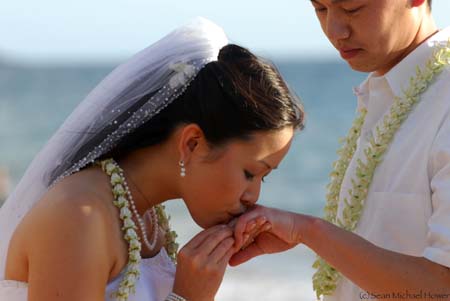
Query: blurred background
[(52, 53)]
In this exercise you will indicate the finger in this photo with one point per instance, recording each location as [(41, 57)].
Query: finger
[(198, 240), (255, 224), (259, 225), (232, 223), (251, 231), (249, 238), (226, 258), (244, 220), (251, 226), (212, 241), (264, 228), (244, 255), (248, 241), (221, 249), (245, 239)]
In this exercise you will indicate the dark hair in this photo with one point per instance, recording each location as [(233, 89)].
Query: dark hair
[(230, 98), (429, 3)]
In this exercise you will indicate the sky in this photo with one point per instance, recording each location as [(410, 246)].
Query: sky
[(107, 30)]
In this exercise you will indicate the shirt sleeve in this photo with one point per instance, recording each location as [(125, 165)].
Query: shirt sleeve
[(438, 237)]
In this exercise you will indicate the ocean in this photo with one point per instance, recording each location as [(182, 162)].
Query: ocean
[(35, 100)]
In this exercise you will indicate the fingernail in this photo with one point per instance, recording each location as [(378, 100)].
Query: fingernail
[(252, 226), (262, 220), (267, 227)]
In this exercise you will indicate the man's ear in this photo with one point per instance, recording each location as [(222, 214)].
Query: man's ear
[(417, 3), (191, 142)]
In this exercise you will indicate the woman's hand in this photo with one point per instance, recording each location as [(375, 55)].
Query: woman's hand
[(279, 232), (202, 263)]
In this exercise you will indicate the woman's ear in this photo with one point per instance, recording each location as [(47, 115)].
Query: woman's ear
[(191, 142)]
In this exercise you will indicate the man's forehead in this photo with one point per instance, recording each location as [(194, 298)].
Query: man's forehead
[(332, 1)]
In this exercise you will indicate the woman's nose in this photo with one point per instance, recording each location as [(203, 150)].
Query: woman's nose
[(251, 194)]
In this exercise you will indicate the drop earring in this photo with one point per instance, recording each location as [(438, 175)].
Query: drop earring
[(182, 169)]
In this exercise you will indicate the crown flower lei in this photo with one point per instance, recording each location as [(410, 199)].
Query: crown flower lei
[(127, 285), (326, 277)]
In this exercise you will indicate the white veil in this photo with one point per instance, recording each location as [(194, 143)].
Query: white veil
[(128, 97)]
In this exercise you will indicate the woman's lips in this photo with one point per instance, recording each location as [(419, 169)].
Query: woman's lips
[(347, 53)]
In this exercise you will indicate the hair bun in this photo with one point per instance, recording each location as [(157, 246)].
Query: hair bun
[(232, 52)]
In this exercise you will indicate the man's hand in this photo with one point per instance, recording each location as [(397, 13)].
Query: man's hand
[(263, 230)]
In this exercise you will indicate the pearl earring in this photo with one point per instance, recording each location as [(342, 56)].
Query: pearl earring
[(182, 169)]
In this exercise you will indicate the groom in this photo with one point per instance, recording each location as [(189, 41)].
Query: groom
[(399, 247)]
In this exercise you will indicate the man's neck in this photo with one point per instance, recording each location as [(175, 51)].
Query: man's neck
[(427, 29)]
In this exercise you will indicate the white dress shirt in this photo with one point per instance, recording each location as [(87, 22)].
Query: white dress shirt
[(407, 209)]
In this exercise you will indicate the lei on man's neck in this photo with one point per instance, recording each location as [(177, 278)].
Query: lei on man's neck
[(326, 277)]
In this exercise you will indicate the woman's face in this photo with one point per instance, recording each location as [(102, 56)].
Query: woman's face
[(220, 184)]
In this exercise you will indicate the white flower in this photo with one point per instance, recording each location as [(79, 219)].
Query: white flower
[(125, 213), (121, 201), (128, 223), (131, 234), (110, 167), (135, 244), (123, 291), (134, 268), (134, 255), (184, 72), (129, 280), (118, 189), (116, 179)]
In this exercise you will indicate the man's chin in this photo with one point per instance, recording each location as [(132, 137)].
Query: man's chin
[(361, 67)]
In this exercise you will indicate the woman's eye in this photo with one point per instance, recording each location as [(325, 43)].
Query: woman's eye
[(248, 175)]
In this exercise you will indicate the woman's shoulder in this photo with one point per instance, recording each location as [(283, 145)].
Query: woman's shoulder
[(72, 221), (81, 197), (77, 208)]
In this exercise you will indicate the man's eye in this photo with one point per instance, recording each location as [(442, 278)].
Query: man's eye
[(248, 175), (320, 9), (352, 11)]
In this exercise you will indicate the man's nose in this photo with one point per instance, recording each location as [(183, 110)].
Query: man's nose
[(337, 27)]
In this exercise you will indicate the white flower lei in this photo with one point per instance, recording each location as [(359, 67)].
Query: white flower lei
[(326, 277), (128, 283)]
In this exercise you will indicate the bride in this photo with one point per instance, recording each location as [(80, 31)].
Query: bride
[(190, 117)]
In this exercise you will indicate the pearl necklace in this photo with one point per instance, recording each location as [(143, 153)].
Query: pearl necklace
[(123, 200), (151, 213)]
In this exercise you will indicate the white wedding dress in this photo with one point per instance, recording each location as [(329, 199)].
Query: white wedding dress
[(155, 283)]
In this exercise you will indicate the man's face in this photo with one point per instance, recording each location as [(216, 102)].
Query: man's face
[(371, 35)]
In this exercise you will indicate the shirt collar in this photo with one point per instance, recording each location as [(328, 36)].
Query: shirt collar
[(399, 76), (362, 93)]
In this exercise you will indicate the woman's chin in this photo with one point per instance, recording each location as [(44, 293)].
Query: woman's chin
[(205, 224)]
